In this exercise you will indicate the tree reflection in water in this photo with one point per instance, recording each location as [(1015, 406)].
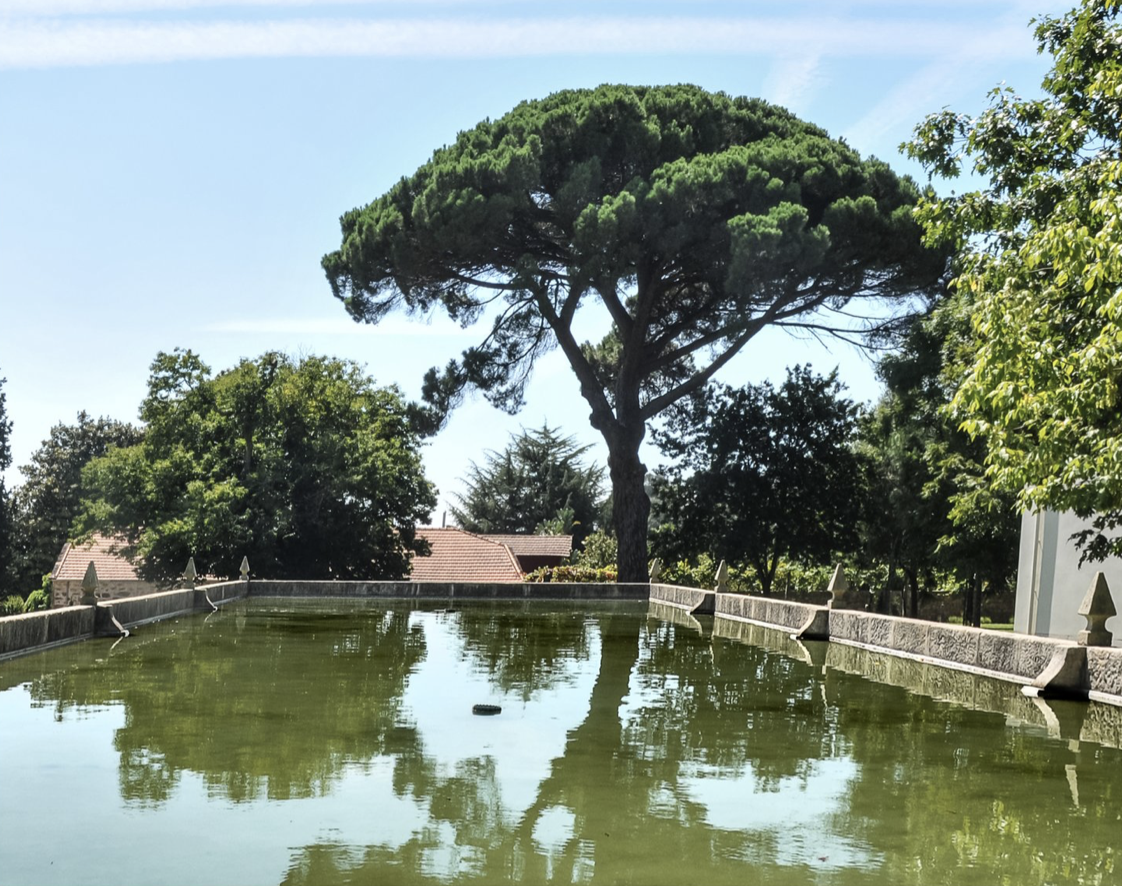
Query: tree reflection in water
[(630, 749)]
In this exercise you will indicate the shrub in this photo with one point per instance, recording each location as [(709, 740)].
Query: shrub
[(599, 551), (37, 600), (13, 605), (574, 574)]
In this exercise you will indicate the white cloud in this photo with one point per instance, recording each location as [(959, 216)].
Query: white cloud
[(39, 42), (937, 84), (111, 7), (791, 81)]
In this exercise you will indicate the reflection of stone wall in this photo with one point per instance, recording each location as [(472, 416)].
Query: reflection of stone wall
[(671, 614), (1016, 658), (1066, 720), (756, 634)]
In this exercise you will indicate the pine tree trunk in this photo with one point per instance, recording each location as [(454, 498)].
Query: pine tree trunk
[(631, 508)]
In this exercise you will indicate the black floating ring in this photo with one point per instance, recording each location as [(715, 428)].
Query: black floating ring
[(486, 710)]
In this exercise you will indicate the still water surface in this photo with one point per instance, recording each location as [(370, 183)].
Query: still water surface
[(281, 742)]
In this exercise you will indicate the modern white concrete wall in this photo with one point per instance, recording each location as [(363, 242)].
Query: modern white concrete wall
[(1050, 582)]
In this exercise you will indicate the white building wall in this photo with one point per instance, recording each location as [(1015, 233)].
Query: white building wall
[(1050, 582)]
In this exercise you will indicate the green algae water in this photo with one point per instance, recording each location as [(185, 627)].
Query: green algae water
[(314, 743)]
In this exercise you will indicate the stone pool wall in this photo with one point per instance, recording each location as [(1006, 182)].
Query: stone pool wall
[(32, 631), (1044, 666), (438, 590), (42, 630)]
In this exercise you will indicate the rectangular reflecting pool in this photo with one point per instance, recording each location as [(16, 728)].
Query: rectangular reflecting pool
[(302, 742)]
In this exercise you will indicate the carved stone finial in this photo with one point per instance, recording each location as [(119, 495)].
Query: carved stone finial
[(838, 585), (1097, 607), (722, 578), (190, 573), (90, 585), (245, 569)]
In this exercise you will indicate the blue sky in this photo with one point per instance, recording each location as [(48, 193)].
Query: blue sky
[(172, 171)]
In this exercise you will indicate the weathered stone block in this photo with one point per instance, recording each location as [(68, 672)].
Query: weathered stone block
[(683, 598), (911, 636), (1032, 656), (879, 631), (732, 605), (997, 652), (776, 612), (1104, 670), (69, 623), (847, 625), (953, 643)]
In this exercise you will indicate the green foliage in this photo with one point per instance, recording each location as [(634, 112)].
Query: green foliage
[(36, 600), (13, 605), (700, 572), (305, 467), (691, 220), (930, 507), (762, 474), (7, 540), (538, 484), (598, 550), (799, 580), (1040, 260), (574, 573), (985, 622), (49, 499)]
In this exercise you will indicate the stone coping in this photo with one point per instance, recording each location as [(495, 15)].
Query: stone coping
[(1044, 666), (35, 631), (434, 590)]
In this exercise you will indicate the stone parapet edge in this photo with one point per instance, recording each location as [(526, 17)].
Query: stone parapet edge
[(1026, 660), (31, 632)]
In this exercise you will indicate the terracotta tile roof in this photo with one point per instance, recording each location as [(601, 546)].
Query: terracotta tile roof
[(461, 556), (535, 545), (104, 551)]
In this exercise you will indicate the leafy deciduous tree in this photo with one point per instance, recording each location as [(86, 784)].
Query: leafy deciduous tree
[(538, 482), (49, 499), (761, 473), (1040, 265), (7, 544), (305, 467), (692, 220), (930, 506)]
